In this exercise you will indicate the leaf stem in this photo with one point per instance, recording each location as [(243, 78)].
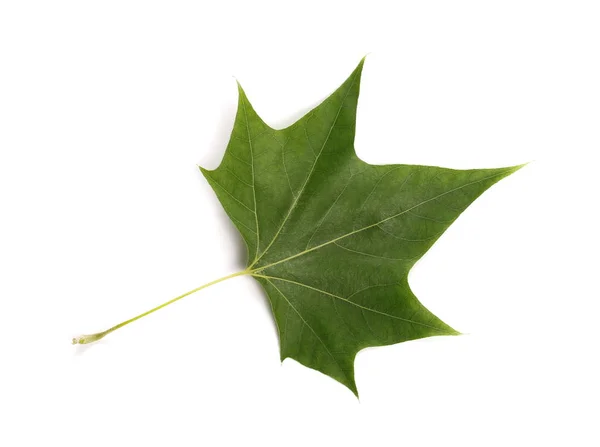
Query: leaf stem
[(85, 339)]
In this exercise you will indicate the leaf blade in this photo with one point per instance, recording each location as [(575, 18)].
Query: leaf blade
[(336, 237)]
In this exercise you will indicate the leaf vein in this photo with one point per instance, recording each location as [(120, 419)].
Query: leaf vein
[(253, 179), (309, 174), (372, 255), (231, 195), (310, 327), (328, 211), (374, 224), (269, 278)]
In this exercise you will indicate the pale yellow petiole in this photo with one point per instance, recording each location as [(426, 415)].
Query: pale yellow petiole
[(85, 339)]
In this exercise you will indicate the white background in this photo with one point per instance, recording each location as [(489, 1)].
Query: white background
[(107, 107)]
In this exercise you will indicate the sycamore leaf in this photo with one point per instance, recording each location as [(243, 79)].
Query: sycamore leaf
[(330, 238)]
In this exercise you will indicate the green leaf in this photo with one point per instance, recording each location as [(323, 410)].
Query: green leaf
[(331, 238)]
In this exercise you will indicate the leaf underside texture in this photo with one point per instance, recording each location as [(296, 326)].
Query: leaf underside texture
[(330, 238)]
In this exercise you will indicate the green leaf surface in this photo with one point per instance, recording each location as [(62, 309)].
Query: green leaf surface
[(330, 238)]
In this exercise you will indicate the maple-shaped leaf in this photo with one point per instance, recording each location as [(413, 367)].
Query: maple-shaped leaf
[(331, 238)]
